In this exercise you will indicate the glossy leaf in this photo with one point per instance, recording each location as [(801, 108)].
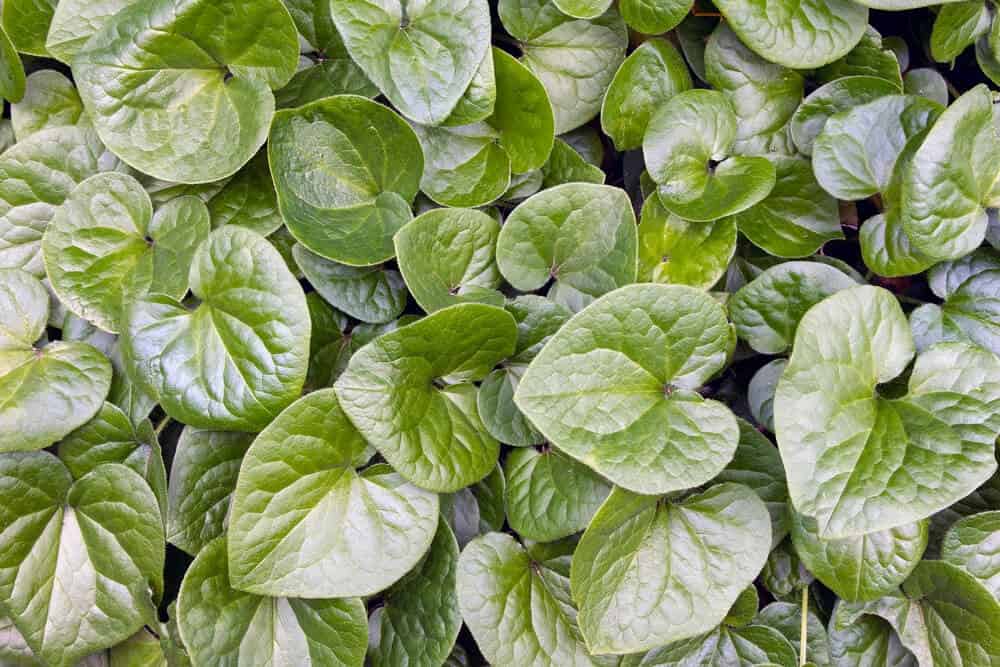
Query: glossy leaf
[(371, 294)]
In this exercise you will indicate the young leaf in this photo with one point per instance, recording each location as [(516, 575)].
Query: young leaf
[(831, 418), (64, 382), (240, 357), (422, 56), (128, 87), (580, 234), (409, 393), (686, 147), (447, 256), (223, 625), (104, 248), (75, 547), (346, 170), (616, 388), (280, 543), (641, 559)]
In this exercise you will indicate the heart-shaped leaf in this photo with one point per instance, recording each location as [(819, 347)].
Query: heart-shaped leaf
[(575, 59), (128, 87), (346, 170), (50, 100), (723, 646), (971, 311), (642, 558), (832, 98), (278, 539), (616, 388), (518, 609), (223, 625), (969, 544), (830, 418), (66, 382), (248, 199), (423, 55), (686, 147), (654, 17), (73, 547), (238, 358), (75, 21), (409, 393), (202, 480), (448, 256), (105, 249), (27, 22), (802, 35), (581, 234), (868, 58)]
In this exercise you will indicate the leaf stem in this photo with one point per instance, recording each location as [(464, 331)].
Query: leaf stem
[(910, 300), (804, 629), (162, 425)]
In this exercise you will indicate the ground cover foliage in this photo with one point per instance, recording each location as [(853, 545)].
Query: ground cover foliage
[(414, 333)]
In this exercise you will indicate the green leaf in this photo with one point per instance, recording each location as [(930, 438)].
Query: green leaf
[(650, 76), (12, 81), (419, 620), (104, 248), (549, 495), (948, 183), (422, 56), (651, 570), (575, 59), (856, 459), (372, 294), (523, 115), (129, 88), (280, 537), (223, 625), (947, 278), (202, 480), (409, 393), (969, 544), (867, 58), (830, 99), (674, 250), (580, 234), (786, 618), (784, 576), (518, 610), (464, 165), (693, 33), (479, 99), (957, 26), (50, 100), (763, 95), (447, 256), (855, 154), (79, 557), (797, 217), (801, 35), (566, 165), (110, 437), (314, 22), (928, 83), (248, 199), (864, 567), (766, 311), (760, 392), (240, 357), (36, 176), (330, 345), (886, 248), (865, 641), (724, 646), (757, 465), (27, 23), (63, 382), (615, 388), (323, 78), (654, 17), (686, 147), (75, 21), (346, 170)]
